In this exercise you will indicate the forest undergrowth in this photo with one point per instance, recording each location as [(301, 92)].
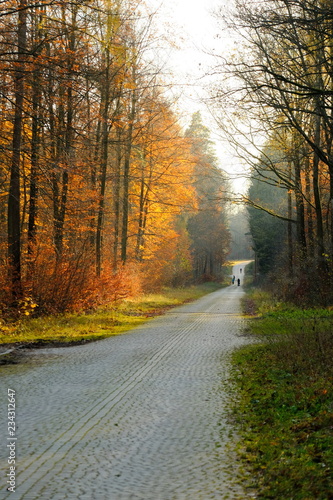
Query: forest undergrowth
[(117, 317), (284, 405)]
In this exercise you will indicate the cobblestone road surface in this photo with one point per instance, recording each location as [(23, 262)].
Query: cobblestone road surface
[(138, 416)]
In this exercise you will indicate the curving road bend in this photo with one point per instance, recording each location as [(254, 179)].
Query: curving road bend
[(139, 416)]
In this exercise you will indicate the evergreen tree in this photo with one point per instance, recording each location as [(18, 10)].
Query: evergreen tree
[(207, 228)]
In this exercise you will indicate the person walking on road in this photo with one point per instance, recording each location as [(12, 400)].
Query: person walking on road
[(238, 282)]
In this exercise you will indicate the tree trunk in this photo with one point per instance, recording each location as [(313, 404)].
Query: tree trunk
[(309, 213), (33, 199), (300, 214), (317, 199), (104, 162), (116, 194), (14, 228), (290, 238), (126, 180)]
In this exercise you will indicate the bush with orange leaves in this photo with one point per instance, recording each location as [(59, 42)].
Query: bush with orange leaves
[(69, 286)]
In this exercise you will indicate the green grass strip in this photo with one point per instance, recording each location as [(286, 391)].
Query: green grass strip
[(285, 406), (105, 322)]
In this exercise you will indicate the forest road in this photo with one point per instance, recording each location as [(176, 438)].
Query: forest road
[(139, 416)]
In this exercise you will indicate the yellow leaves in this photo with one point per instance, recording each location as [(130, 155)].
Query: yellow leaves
[(129, 85), (27, 306)]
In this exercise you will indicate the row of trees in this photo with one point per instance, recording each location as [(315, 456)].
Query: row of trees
[(208, 228), (99, 184), (282, 83)]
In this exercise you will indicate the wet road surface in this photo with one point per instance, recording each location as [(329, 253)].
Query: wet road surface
[(139, 416)]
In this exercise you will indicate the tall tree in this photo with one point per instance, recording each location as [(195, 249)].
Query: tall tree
[(285, 90), (14, 217), (208, 228)]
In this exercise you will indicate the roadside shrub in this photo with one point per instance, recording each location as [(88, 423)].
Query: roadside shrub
[(72, 285)]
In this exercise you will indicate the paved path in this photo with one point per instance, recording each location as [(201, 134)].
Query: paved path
[(138, 416)]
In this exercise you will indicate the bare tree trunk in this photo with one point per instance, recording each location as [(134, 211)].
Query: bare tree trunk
[(35, 137), (65, 139), (34, 166), (14, 228), (290, 233), (126, 180), (116, 194), (104, 162), (139, 237), (317, 199), (300, 213), (93, 184), (143, 207), (309, 212)]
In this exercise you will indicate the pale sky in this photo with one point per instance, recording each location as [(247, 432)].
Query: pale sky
[(194, 29), (194, 35)]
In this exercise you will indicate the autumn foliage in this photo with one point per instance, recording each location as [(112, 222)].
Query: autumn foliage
[(98, 181)]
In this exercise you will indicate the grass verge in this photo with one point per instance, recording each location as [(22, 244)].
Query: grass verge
[(113, 320), (285, 406)]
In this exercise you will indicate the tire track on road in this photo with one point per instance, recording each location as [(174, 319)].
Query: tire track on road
[(132, 417), (51, 455)]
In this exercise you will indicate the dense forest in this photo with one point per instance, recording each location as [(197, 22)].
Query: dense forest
[(275, 104), (102, 191)]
